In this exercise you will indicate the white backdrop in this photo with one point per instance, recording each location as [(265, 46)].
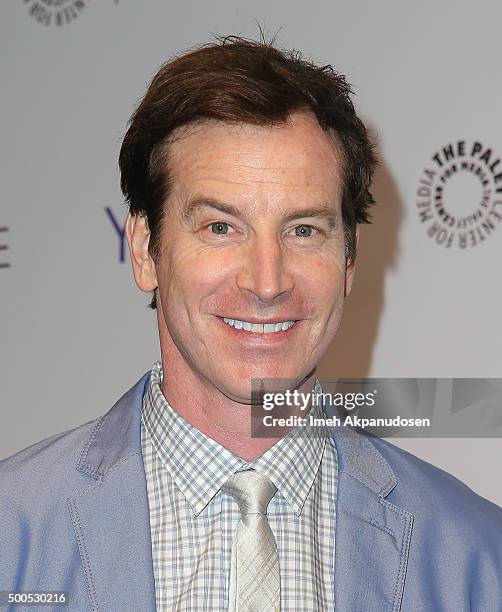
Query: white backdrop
[(76, 332)]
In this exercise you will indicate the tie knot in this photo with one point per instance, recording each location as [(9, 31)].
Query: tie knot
[(251, 490)]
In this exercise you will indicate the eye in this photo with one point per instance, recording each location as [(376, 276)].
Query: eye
[(310, 236), (304, 231), (219, 227), (219, 232)]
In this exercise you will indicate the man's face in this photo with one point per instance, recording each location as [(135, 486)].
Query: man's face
[(252, 235)]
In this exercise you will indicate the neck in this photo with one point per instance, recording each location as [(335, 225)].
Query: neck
[(226, 421), (220, 418)]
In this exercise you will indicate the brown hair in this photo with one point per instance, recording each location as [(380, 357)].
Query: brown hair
[(244, 81)]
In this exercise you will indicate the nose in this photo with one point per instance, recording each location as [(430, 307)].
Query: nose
[(263, 270)]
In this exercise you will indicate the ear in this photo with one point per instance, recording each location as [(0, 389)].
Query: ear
[(138, 238), (350, 268)]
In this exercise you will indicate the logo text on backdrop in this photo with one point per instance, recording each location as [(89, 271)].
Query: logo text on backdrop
[(56, 12), (459, 196), (3, 247)]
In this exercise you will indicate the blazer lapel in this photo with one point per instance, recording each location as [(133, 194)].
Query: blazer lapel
[(372, 538), (110, 516)]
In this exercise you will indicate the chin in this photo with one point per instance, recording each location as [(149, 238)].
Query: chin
[(237, 385)]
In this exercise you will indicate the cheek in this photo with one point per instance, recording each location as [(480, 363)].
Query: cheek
[(190, 274), (325, 277)]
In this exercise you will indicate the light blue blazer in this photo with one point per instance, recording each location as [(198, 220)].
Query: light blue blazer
[(74, 517)]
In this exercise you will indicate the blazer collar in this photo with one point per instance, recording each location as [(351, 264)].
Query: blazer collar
[(117, 434), (111, 518)]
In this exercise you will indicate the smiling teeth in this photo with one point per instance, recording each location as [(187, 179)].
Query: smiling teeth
[(259, 328)]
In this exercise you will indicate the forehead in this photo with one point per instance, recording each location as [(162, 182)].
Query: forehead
[(280, 159)]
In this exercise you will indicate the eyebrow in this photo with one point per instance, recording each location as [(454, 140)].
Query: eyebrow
[(324, 212)]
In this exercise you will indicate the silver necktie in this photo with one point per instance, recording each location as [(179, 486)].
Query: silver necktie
[(254, 570)]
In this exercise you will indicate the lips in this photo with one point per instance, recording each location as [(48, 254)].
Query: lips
[(265, 327)]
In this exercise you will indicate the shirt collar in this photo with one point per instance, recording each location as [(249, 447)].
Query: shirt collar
[(200, 466)]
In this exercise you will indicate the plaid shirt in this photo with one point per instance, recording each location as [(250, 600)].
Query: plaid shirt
[(193, 523)]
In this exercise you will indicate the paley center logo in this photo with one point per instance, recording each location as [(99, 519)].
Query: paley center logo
[(3, 247), (459, 195), (56, 12)]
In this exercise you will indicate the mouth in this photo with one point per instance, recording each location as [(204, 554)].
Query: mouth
[(260, 328)]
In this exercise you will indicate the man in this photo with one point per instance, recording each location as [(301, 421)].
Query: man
[(247, 172)]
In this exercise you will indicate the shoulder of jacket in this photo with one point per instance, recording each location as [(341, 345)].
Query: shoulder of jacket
[(427, 489), (45, 469)]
